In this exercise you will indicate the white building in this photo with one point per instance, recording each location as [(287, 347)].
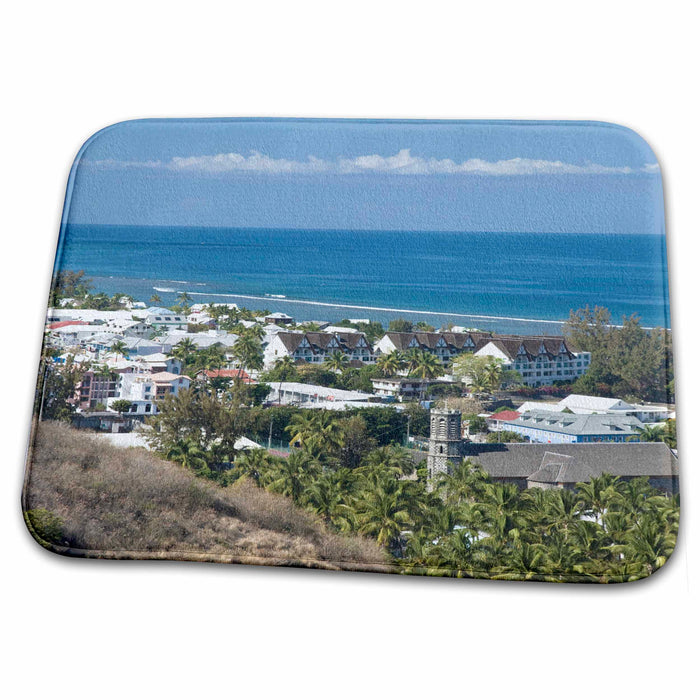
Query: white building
[(68, 336), (144, 390), (166, 321), (317, 347), (581, 404), (129, 327), (538, 360), (313, 396), (559, 428), (400, 388), (445, 346)]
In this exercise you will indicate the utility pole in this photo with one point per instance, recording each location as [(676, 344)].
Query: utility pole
[(269, 437), (408, 430)]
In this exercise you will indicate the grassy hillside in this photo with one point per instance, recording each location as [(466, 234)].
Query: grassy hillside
[(87, 498)]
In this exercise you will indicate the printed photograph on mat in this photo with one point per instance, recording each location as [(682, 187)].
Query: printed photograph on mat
[(428, 348)]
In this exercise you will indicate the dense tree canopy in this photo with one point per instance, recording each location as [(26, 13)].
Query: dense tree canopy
[(628, 361)]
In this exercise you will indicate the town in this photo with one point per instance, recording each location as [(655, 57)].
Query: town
[(133, 356), (413, 436)]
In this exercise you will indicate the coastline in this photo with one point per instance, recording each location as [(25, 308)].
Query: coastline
[(168, 289)]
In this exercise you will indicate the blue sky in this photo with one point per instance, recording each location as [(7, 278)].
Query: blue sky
[(363, 175)]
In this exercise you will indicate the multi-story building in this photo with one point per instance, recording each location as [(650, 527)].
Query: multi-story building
[(560, 428), (400, 388), (317, 347), (538, 360), (279, 319), (445, 346), (145, 390), (96, 388)]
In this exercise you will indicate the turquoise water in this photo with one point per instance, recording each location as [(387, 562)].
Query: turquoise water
[(501, 281)]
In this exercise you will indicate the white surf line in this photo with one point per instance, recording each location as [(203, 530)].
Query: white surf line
[(378, 308)]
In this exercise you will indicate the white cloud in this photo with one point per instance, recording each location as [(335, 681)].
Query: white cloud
[(403, 163)]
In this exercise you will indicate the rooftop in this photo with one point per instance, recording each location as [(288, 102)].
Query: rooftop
[(577, 424), (576, 462)]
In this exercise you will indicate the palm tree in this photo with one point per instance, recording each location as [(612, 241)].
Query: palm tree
[(320, 432), (255, 331), (189, 454), (290, 476), (670, 433), (382, 514), (492, 373), (255, 464), (302, 429), (155, 299), (184, 348), (465, 483), (427, 366), (411, 359), (328, 433), (390, 364), (248, 351), (325, 496), (337, 361), (184, 299), (563, 509), (651, 433), (119, 348), (103, 372), (285, 368), (524, 562), (599, 494), (387, 461), (500, 512)]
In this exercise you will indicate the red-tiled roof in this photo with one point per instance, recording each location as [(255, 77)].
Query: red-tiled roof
[(228, 374), (505, 415), (63, 324)]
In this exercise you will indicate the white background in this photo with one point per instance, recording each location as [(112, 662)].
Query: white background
[(78, 629)]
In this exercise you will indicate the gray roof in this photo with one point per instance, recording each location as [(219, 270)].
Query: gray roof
[(575, 462), (578, 424)]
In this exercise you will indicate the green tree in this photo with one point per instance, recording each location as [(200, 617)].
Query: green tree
[(248, 351), (336, 361), (504, 436), (190, 455), (651, 433), (383, 513), (391, 364), (291, 476), (477, 423), (400, 325), (626, 360), (119, 348), (184, 299), (121, 406), (256, 465), (427, 366)]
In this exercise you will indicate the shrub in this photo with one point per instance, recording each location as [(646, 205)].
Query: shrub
[(45, 525)]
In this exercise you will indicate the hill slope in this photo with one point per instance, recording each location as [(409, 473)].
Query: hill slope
[(87, 498)]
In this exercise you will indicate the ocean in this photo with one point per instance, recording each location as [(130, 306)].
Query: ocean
[(506, 282)]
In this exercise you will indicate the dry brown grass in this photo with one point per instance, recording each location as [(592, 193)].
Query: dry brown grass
[(129, 504)]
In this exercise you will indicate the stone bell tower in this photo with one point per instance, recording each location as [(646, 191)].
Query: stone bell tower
[(445, 447)]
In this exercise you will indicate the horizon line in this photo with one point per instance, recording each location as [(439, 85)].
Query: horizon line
[(68, 224)]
